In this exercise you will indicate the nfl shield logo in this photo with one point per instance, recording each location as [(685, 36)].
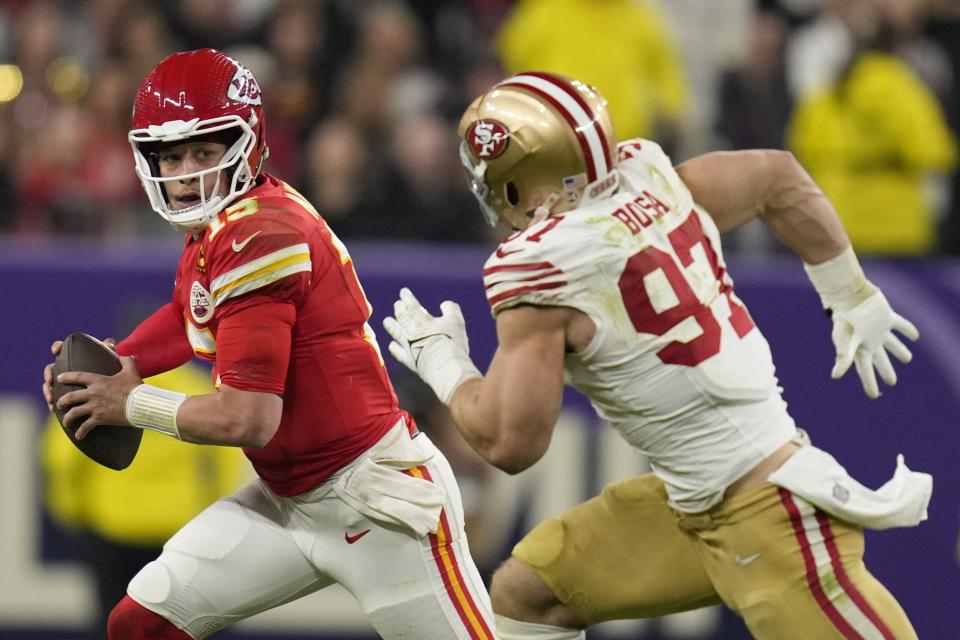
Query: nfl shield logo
[(841, 493)]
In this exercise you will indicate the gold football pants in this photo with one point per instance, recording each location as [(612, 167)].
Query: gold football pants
[(788, 569)]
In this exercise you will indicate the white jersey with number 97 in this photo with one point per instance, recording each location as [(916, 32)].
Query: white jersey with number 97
[(677, 365)]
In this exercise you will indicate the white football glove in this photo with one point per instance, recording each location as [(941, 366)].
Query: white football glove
[(863, 322), (435, 348)]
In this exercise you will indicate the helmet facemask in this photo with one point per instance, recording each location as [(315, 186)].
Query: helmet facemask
[(478, 186), (234, 166)]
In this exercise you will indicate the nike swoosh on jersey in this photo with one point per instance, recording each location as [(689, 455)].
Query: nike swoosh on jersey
[(503, 254), (742, 562), (238, 246), (353, 538)]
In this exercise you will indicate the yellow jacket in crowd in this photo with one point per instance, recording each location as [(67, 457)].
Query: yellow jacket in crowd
[(167, 484), (872, 141), (625, 48)]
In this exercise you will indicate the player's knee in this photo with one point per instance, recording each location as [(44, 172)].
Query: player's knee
[(509, 629), (517, 592), (130, 620), (503, 585)]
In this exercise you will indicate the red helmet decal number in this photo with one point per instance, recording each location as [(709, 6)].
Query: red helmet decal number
[(487, 138)]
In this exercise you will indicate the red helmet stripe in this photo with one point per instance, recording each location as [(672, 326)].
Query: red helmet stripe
[(594, 118), (576, 112), (565, 113)]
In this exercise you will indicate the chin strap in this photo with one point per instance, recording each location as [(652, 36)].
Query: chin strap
[(542, 212)]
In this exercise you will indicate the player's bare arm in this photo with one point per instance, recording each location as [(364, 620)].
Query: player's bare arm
[(230, 417), (508, 416), (737, 186)]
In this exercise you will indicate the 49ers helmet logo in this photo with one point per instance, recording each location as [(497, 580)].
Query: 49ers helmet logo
[(487, 138)]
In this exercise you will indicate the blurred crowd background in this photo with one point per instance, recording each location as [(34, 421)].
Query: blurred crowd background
[(363, 96)]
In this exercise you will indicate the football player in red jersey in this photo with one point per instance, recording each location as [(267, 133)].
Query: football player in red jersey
[(615, 282), (348, 491)]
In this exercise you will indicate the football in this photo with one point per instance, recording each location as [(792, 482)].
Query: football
[(112, 446)]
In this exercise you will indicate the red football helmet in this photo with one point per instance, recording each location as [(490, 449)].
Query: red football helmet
[(192, 94)]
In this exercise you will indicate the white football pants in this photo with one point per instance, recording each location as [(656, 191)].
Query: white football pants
[(255, 550)]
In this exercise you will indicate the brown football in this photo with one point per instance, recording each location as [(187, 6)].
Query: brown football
[(112, 446)]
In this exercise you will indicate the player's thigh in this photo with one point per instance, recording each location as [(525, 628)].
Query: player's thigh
[(619, 555), (808, 579), (235, 559), (420, 587)]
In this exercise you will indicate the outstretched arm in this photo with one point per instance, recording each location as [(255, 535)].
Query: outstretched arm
[(253, 349), (508, 415), (231, 417), (735, 187)]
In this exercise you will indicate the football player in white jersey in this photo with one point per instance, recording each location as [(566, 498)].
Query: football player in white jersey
[(615, 282)]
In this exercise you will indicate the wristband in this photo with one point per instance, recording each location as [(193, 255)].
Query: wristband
[(154, 409), (840, 281), (452, 374)]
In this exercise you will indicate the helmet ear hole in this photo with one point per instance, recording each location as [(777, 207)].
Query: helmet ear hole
[(512, 193)]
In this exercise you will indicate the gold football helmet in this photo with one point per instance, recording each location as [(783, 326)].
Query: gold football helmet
[(537, 140)]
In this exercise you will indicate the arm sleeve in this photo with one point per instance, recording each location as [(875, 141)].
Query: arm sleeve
[(253, 344), (159, 343)]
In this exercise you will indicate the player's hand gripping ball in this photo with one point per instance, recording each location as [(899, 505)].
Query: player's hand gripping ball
[(112, 446)]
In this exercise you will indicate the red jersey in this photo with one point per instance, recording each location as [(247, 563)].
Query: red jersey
[(273, 246)]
